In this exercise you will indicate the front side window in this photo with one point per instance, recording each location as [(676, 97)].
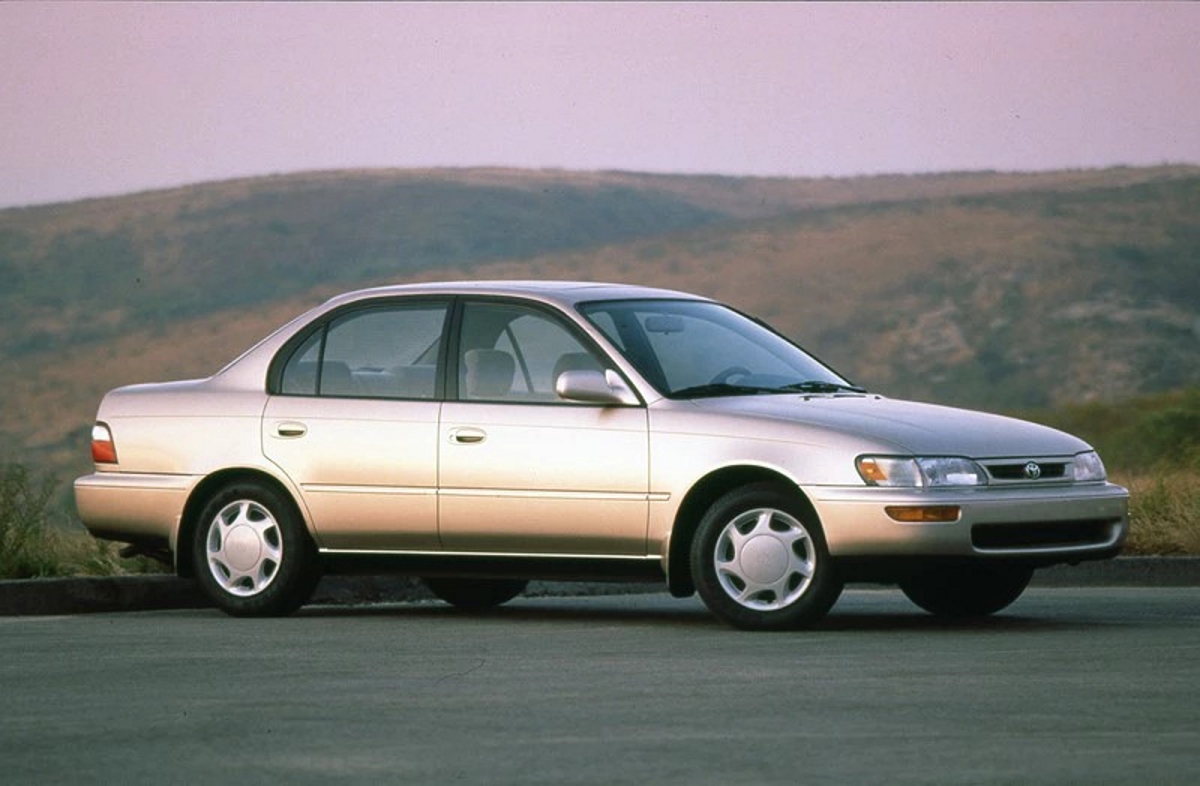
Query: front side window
[(515, 353), (695, 348), (381, 352)]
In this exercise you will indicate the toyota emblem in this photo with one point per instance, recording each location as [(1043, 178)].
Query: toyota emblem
[(1033, 470)]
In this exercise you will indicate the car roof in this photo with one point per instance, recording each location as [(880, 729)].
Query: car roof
[(566, 293)]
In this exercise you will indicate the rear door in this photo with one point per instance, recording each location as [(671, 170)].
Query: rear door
[(354, 424)]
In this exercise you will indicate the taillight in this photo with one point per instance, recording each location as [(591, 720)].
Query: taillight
[(104, 450)]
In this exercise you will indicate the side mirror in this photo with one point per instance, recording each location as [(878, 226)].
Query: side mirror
[(594, 387)]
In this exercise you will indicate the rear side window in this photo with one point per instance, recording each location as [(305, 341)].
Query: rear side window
[(300, 374), (384, 352)]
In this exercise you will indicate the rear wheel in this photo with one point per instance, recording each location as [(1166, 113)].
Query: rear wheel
[(968, 590), (476, 593), (759, 561), (252, 555)]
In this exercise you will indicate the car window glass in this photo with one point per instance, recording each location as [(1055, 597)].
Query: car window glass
[(679, 345), (300, 375), (604, 321), (693, 351), (374, 353), (515, 353)]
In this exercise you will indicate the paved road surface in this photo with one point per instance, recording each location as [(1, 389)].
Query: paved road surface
[(1070, 685)]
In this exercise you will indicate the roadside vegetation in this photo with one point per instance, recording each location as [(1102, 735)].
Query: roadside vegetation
[(1165, 512), (39, 539)]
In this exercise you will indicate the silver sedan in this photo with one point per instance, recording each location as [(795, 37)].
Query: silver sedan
[(482, 434)]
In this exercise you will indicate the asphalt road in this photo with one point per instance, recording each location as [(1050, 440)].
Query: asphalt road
[(1068, 686)]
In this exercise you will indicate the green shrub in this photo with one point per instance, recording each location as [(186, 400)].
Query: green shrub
[(32, 545), (24, 505)]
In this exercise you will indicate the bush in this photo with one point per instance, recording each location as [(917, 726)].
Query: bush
[(1164, 513), (24, 501), (32, 546)]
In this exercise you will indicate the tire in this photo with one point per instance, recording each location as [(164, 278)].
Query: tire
[(967, 590), (476, 594), (252, 554), (759, 561)]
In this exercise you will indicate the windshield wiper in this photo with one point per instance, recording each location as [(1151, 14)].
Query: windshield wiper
[(819, 386), (713, 389)]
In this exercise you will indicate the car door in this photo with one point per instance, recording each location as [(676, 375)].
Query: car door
[(354, 424), (523, 471)]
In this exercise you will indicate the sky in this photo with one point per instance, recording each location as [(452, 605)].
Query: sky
[(101, 99)]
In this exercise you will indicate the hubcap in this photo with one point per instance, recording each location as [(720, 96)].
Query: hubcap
[(764, 559), (244, 548)]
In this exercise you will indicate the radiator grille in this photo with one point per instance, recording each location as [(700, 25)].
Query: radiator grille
[(1029, 471)]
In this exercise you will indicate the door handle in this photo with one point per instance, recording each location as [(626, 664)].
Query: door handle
[(291, 429), (467, 436)]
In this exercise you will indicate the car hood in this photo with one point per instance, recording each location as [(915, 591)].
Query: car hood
[(912, 427)]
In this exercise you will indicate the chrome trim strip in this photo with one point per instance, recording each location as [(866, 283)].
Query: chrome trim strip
[(137, 480), (630, 496), (325, 488), (500, 554)]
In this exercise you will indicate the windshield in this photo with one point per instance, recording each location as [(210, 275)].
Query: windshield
[(692, 349)]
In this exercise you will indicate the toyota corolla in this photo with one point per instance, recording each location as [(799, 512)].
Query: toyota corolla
[(483, 434)]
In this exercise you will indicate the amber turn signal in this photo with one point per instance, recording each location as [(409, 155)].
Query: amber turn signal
[(924, 514)]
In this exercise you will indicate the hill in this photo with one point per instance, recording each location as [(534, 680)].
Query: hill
[(993, 290)]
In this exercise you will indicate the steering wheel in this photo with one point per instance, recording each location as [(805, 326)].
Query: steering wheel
[(732, 371)]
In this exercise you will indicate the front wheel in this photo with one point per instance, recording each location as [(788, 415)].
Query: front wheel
[(759, 561), (476, 593), (967, 590), (252, 554)]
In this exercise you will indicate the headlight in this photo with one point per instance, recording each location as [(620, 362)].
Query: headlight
[(921, 472), (1089, 467)]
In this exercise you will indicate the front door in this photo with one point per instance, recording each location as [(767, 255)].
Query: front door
[(523, 471)]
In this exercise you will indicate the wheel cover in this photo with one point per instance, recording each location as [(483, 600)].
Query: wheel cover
[(764, 559), (244, 548)]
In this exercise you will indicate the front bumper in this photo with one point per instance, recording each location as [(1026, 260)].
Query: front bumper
[(133, 508), (1046, 524)]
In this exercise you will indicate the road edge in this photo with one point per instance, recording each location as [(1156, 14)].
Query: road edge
[(85, 595)]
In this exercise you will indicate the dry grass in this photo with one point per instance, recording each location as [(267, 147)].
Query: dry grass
[(33, 541), (1164, 513)]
